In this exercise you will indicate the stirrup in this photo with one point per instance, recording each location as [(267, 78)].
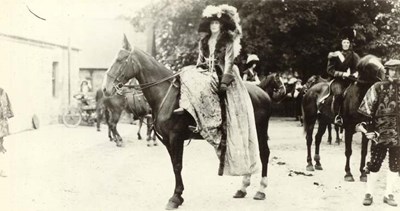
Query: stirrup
[(194, 129), (338, 120), (179, 111)]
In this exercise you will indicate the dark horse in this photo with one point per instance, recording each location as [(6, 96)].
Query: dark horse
[(159, 87), (131, 102), (274, 86), (370, 71), (315, 79)]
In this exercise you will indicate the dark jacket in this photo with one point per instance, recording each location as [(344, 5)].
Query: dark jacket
[(337, 65)]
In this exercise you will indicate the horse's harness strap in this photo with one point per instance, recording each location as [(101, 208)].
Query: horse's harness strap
[(150, 84), (165, 97)]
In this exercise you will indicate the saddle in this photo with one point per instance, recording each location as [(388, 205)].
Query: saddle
[(138, 105), (326, 103)]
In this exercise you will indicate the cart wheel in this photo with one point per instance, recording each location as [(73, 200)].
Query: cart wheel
[(72, 117)]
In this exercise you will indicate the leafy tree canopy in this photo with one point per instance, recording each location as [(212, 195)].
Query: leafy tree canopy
[(285, 34)]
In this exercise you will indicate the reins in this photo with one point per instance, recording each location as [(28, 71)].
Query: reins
[(144, 86), (150, 84)]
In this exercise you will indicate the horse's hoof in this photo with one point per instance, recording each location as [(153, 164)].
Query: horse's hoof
[(338, 141), (120, 144), (310, 167), (318, 167), (139, 138), (174, 203), (171, 206), (329, 141), (155, 144), (363, 178), (259, 196), (349, 178), (149, 145), (239, 194), (98, 129)]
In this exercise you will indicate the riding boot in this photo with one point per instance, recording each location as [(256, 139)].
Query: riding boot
[(390, 182), (372, 178), (337, 105)]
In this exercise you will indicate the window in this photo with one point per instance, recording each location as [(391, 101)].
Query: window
[(54, 74)]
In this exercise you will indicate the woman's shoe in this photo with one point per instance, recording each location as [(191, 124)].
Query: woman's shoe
[(179, 111)]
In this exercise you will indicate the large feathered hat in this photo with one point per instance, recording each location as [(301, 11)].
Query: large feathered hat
[(347, 34), (227, 15)]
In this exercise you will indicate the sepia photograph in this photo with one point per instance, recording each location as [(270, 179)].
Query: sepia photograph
[(199, 105)]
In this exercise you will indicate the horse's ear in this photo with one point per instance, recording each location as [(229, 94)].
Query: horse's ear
[(125, 44)]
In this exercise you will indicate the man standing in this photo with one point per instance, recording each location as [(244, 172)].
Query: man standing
[(381, 105)]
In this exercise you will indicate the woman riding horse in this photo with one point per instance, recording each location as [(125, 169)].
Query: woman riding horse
[(369, 68), (161, 88), (342, 64), (218, 48)]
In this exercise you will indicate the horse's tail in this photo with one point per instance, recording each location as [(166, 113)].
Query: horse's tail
[(309, 110), (99, 95), (106, 109)]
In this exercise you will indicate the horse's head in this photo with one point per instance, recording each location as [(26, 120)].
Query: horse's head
[(274, 86), (120, 71), (370, 69)]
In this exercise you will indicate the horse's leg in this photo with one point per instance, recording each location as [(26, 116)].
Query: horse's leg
[(154, 136), (140, 127), (149, 121), (329, 133), (148, 131), (107, 113), (309, 138), (339, 133), (310, 114), (175, 150), (114, 119), (348, 139), (318, 138), (364, 151), (99, 115), (264, 156)]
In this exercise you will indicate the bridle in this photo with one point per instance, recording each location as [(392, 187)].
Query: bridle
[(118, 85), (117, 82)]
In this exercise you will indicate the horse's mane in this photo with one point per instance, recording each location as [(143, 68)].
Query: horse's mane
[(151, 60), (266, 80), (368, 67)]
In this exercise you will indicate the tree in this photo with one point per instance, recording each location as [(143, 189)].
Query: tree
[(285, 34)]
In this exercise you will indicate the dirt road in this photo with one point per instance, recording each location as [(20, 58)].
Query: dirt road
[(59, 168)]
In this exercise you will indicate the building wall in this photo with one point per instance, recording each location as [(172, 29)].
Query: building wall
[(26, 73)]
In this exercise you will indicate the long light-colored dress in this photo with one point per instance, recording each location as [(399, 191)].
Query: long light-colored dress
[(199, 97), (5, 113)]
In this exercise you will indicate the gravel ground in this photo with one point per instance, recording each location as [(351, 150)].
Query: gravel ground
[(59, 168)]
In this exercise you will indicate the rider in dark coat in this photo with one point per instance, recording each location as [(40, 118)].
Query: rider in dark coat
[(381, 106), (341, 65)]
